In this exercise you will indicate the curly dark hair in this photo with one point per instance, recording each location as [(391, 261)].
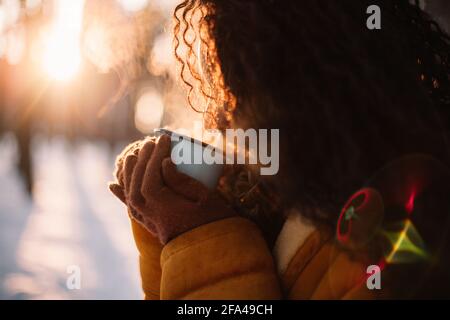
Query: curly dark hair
[(347, 100)]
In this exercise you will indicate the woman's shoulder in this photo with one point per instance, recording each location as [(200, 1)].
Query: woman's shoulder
[(312, 265)]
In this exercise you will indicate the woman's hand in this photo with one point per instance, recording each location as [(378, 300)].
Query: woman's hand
[(167, 202), (118, 187)]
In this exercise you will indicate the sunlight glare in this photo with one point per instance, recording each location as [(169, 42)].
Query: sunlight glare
[(62, 55)]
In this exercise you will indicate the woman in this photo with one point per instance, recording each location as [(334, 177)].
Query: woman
[(349, 103)]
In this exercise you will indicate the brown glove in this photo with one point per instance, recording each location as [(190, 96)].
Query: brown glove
[(167, 202)]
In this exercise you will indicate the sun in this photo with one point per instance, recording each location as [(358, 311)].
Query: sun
[(62, 57), (62, 54)]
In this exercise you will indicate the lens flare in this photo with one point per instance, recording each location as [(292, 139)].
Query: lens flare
[(407, 245), (409, 206)]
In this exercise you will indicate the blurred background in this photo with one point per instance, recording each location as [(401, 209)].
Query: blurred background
[(79, 80)]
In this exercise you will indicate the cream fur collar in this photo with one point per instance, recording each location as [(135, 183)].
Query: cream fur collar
[(293, 235)]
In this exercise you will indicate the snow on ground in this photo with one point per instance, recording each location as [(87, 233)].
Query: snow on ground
[(73, 220)]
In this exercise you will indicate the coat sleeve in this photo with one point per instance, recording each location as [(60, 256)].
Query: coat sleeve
[(149, 249), (226, 259)]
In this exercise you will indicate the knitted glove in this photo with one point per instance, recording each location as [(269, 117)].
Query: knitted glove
[(167, 202), (125, 164)]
